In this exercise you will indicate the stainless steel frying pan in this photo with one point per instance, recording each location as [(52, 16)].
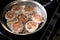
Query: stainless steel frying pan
[(31, 2)]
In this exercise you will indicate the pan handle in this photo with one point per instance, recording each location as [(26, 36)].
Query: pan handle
[(23, 0), (47, 4), (50, 2)]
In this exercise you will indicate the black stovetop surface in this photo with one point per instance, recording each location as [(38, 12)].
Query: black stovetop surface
[(50, 12)]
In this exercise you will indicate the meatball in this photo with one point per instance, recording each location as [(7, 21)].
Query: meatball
[(17, 27), (31, 26), (10, 15), (22, 18), (28, 9), (16, 8), (37, 18)]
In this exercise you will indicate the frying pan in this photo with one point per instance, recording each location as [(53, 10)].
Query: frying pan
[(31, 2)]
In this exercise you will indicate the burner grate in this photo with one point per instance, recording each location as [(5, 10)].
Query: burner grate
[(51, 26)]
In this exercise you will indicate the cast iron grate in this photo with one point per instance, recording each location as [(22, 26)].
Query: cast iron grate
[(51, 26)]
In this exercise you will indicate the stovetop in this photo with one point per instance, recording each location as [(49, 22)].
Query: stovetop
[(40, 35)]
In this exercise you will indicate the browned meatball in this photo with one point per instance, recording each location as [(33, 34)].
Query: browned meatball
[(37, 18), (17, 26), (10, 15), (22, 18), (31, 26), (28, 8), (15, 7)]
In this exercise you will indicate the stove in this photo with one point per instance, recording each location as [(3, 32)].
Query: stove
[(45, 33)]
